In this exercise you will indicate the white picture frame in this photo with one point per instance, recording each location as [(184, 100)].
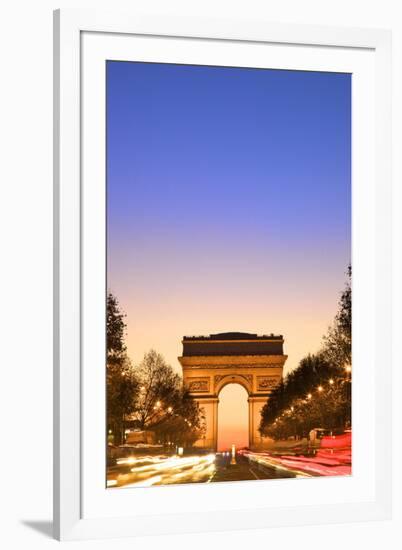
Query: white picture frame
[(82, 42)]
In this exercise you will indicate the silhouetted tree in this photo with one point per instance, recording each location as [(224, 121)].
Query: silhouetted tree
[(121, 380), (337, 347), (317, 393), (163, 405)]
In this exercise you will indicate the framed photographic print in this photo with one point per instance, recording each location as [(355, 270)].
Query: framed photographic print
[(222, 274)]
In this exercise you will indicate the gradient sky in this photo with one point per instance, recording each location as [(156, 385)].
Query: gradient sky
[(229, 202)]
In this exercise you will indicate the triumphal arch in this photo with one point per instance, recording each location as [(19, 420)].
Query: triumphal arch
[(211, 362)]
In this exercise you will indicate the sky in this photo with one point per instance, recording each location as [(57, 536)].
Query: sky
[(233, 418), (228, 202)]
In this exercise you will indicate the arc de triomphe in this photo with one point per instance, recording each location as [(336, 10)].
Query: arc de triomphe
[(211, 362)]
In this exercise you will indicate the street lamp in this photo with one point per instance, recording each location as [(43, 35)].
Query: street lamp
[(320, 388), (331, 381)]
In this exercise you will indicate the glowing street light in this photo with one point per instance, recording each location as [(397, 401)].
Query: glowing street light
[(309, 396), (331, 381), (320, 388), (170, 409), (348, 368)]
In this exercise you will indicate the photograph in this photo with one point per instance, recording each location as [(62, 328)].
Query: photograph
[(228, 292)]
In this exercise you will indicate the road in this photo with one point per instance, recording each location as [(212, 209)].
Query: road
[(146, 470), (242, 469)]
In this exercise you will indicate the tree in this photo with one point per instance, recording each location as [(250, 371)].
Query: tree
[(115, 331), (151, 395), (324, 406), (318, 392), (312, 372), (122, 390), (337, 348), (183, 425), (121, 380), (163, 405)]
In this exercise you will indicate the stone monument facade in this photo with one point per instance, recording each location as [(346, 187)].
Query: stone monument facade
[(211, 362)]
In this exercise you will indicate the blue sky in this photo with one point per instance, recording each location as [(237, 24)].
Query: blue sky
[(229, 201)]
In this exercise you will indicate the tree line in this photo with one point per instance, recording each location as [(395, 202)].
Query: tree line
[(317, 393), (149, 396)]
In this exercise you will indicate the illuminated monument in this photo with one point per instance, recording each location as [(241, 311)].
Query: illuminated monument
[(209, 363)]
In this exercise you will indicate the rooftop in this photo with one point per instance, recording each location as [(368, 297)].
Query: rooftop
[(235, 336), (232, 343)]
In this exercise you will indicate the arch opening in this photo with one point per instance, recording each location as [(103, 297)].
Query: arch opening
[(233, 417)]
